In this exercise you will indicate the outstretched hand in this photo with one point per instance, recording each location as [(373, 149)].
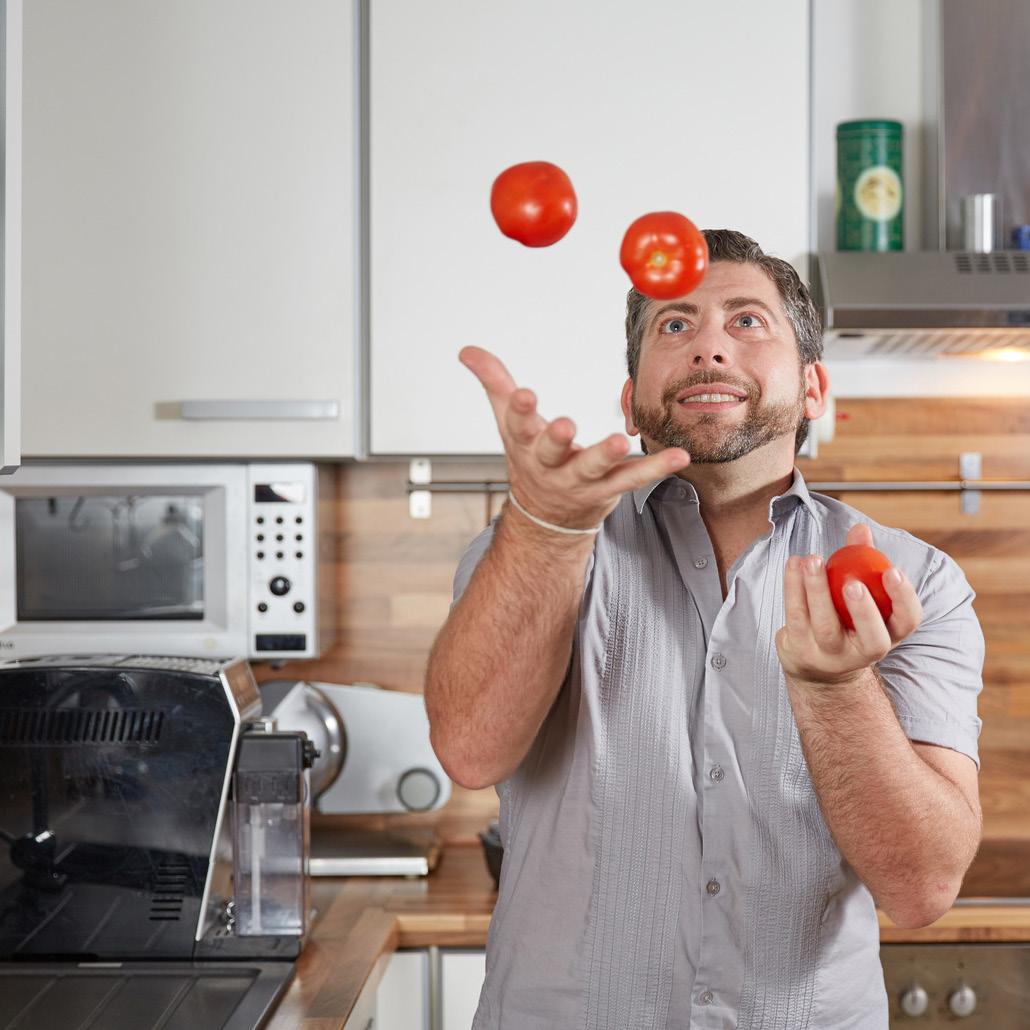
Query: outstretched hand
[(551, 475), (814, 645)]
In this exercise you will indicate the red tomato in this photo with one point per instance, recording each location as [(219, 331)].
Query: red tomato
[(857, 561), (664, 254), (533, 203)]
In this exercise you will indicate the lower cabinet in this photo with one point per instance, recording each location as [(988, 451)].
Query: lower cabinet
[(424, 989), (461, 979)]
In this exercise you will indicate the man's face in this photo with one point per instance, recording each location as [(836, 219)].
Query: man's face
[(719, 372)]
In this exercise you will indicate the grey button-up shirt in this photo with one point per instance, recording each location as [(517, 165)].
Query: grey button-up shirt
[(666, 862)]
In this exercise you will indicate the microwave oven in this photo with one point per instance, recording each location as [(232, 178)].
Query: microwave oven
[(192, 560)]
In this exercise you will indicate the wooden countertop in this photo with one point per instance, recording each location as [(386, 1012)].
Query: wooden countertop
[(361, 921)]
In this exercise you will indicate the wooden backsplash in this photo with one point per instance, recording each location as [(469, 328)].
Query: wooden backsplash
[(395, 572)]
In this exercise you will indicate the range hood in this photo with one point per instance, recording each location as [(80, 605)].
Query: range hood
[(923, 303), (945, 299)]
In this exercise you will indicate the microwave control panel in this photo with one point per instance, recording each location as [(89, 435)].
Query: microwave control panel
[(283, 561)]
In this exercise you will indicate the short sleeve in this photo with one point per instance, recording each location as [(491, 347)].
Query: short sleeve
[(935, 676)]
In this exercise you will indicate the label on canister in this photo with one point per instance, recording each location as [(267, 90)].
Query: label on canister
[(870, 200)]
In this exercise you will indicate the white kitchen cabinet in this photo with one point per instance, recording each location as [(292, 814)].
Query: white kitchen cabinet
[(190, 213), (461, 977), (11, 14), (402, 998), (426, 989), (654, 105)]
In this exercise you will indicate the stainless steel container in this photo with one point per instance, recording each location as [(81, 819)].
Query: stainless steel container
[(981, 222)]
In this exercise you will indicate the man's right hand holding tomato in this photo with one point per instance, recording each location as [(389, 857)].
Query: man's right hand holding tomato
[(814, 645), (501, 658)]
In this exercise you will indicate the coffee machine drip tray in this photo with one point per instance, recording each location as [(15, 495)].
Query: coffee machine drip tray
[(141, 995)]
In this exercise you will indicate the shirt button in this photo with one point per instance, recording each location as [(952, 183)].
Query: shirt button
[(718, 661), (717, 774), (713, 887), (705, 998), (700, 563), (681, 492)]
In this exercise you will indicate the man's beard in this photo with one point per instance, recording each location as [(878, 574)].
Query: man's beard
[(708, 440)]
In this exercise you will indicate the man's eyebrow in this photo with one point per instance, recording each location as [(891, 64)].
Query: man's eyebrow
[(736, 303), (680, 306)]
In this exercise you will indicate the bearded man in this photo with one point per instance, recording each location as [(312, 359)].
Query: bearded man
[(707, 783)]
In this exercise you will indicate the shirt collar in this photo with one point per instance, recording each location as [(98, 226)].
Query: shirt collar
[(641, 496), (797, 493)]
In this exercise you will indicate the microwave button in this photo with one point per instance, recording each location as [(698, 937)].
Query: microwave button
[(298, 607), (262, 607), (280, 585)]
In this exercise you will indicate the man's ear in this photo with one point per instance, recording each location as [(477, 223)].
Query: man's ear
[(817, 389), (627, 407)]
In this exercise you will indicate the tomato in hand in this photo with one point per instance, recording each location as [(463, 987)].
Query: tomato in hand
[(533, 203), (664, 254), (867, 564)]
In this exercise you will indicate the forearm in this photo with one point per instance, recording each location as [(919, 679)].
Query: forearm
[(908, 831), (501, 657)]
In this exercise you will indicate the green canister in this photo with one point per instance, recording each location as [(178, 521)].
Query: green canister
[(870, 208)]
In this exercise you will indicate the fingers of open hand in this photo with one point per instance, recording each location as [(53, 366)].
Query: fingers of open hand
[(521, 422), (555, 444), (489, 370)]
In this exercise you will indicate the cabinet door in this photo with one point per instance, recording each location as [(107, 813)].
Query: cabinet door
[(653, 105), (10, 234), (189, 219), (462, 974), (402, 995)]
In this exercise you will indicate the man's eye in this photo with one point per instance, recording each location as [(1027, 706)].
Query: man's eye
[(674, 325), (748, 321)]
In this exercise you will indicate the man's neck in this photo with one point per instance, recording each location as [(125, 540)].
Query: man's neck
[(734, 501)]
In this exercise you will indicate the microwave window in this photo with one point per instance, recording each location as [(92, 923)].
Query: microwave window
[(109, 558)]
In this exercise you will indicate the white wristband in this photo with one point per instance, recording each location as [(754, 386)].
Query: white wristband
[(551, 525)]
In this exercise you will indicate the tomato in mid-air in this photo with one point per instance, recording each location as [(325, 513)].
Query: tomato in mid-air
[(858, 561), (533, 203), (664, 254)]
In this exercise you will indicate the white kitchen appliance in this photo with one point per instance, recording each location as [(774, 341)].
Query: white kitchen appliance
[(374, 758), (193, 560)]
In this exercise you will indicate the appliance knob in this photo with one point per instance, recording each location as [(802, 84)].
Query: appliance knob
[(962, 1001), (915, 1001), (418, 790), (280, 585)]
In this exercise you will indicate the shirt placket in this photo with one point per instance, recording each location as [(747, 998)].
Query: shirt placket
[(723, 809)]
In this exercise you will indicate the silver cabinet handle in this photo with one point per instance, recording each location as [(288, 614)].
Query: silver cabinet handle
[(241, 410)]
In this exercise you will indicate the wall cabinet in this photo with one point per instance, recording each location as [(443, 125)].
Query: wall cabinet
[(661, 104), (189, 228), (11, 15)]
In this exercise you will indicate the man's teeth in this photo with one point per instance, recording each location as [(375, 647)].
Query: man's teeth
[(710, 398)]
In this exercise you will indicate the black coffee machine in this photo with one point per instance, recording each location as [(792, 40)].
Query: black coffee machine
[(149, 823)]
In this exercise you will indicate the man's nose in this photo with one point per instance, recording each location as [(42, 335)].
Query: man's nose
[(709, 346)]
